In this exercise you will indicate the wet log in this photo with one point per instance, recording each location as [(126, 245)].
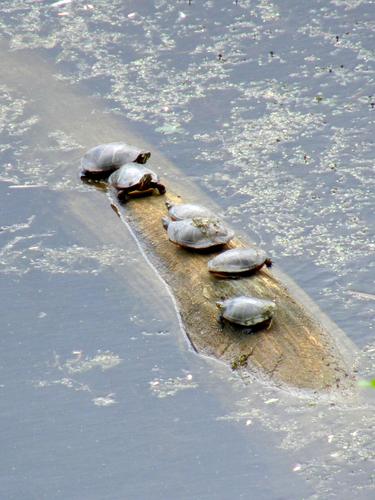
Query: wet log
[(296, 350)]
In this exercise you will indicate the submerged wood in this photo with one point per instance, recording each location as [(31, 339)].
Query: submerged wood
[(302, 349)]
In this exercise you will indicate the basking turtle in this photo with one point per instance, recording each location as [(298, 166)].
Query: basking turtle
[(239, 262), (132, 178), (99, 162), (247, 311), (198, 233), (187, 211)]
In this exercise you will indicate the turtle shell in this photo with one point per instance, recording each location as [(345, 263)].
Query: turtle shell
[(238, 261), (187, 211), (199, 233), (247, 311), (104, 159), (129, 177)]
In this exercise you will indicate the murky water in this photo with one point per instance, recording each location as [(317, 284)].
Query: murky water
[(269, 107)]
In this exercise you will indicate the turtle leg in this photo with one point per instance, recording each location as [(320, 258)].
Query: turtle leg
[(268, 326), (264, 325), (248, 330), (158, 186), (221, 321), (122, 195)]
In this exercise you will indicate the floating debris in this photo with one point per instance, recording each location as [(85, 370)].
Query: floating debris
[(171, 386), (108, 400)]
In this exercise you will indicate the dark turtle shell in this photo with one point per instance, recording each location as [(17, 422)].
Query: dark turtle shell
[(133, 177), (130, 175), (239, 261), (102, 160), (247, 311)]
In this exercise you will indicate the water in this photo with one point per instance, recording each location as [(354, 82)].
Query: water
[(268, 107)]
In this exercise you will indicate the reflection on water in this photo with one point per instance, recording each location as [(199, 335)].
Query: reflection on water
[(269, 106)]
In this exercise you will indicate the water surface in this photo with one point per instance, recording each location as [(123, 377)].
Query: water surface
[(268, 107)]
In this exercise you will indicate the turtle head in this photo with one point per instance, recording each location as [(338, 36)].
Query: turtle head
[(165, 221), (268, 262), (143, 157), (219, 305), (169, 204)]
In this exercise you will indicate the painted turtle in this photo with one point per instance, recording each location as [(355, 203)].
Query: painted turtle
[(198, 233), (247, 311), (132, 178), (239, 262)]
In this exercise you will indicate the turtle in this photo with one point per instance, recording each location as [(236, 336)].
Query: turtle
[(132, 177), (247, 311), (187, 211), (199, 233), (239, 262), (99, 162)]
